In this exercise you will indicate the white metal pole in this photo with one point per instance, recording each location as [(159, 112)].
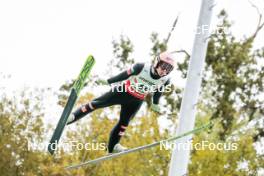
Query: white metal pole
[(180, 156)]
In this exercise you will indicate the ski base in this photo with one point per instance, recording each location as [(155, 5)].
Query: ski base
[(78, 85)]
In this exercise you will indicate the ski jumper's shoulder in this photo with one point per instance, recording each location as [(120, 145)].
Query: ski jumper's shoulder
[(136, 69)]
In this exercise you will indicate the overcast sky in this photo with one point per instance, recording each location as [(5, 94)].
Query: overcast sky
[(44, 43)]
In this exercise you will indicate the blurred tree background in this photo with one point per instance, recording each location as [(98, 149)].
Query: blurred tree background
[(232, 96)]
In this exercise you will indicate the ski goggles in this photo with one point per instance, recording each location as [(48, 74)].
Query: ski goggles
[(165, 66)]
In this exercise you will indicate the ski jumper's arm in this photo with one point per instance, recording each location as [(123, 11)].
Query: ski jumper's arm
[(158, 93), (136, 69)]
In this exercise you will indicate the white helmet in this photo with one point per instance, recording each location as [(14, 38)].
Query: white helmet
[(165, 60)]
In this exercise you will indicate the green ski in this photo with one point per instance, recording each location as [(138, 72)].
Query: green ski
[(78, 85), (115, 155)]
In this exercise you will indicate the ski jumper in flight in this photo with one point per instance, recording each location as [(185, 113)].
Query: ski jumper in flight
[(140, 80)]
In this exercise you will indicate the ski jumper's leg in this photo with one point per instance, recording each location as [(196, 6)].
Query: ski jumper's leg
[(128, 111), (108, 99)]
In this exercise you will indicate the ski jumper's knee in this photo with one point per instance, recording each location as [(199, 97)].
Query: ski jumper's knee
[(122, 130), (91, 106), (83, 110)]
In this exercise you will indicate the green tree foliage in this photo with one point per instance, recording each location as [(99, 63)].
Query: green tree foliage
[(122, 51), (236, 80), (231, 95), (22, 131), (158, 46), (236, 156)]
